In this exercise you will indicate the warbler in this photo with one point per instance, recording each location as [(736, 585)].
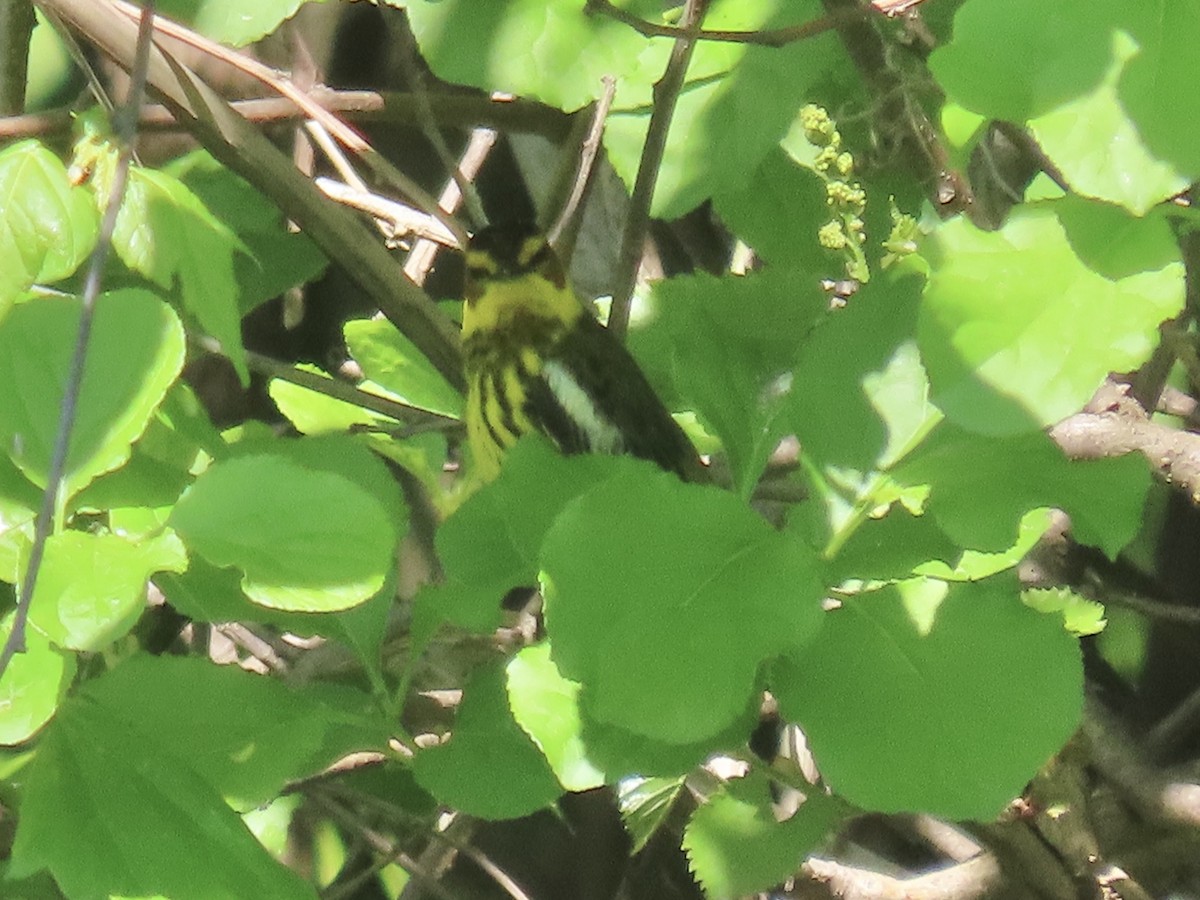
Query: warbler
[(538, 361)]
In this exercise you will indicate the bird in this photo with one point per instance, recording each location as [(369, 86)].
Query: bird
[(537, 360)]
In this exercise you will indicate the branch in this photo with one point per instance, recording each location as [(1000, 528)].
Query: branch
[(1114, 424), (463, 110), (242, 147), (637, 225), (962, 881), (124, 133)]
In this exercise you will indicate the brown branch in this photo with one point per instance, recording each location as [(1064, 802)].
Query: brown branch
[(962, 881), (900, 118), (637, 225), (1114, 425), (450, 111)]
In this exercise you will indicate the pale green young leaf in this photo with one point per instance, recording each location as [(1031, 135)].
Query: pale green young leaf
[(546, 706), (305, 540), (736, 846), (91, 588), (32, 686), (391, 360), (167, 234), (49, 226), (135, 352), (275, 256)]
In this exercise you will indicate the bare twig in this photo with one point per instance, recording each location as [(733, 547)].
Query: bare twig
[(560, 234), (637, 225), (416, 420), (420, 258), (284, 86), (124, 132), (451, 111), (396, 219), (961, 881)]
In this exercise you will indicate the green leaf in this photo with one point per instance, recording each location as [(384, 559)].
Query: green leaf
[(49, 226), (32, 685), (91, 588), (135, 352), (18, 500), (107, 809), (1154, 87), (645, 804), (859, 397), (244, 734), (733, 343), (736, 846), (167, 234), (640, 575), (981, 487), (275, 256), (488, 46), (546, 706), (491, 543), (950, 715), (778, 212), (315, 413), (229, 21), (991, 333), (736, 104), (391, 360), (1080, 615), (891, 545), (306, 540), (1022, 58), (489, 768), (1097, 146)]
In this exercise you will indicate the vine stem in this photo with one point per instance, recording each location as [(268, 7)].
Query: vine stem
[(637, 225), (124, 131)]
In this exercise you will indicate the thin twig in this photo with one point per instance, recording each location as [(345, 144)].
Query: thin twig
[(463, 187), (124, 132), (772, 37), (560, 234), (637, 225), (416, 420), (451, 111), (396, 220), (424, 252)]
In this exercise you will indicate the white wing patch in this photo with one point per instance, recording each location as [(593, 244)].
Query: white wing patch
[(602, 435)]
